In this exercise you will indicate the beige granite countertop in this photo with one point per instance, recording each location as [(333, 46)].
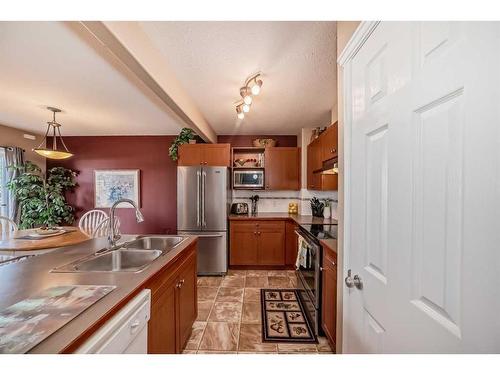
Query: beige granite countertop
[(27, 278), (330, 243), (299, 219)]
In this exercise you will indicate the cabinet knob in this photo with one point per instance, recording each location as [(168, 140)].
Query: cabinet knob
[(334, 150), (180, 284), (258, 233)]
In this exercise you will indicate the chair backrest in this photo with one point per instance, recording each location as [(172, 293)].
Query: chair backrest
[(102, 228), (90, 220), (7, 225)]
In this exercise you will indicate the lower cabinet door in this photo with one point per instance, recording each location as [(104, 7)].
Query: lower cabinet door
[(329, 307), (271, 248), (161, 326), (187, 305), (243, 249)]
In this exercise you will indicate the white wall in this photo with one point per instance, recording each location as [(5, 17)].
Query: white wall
[(277, 201)]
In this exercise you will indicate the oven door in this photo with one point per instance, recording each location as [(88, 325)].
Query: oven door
[(248, 179), (309, 269)]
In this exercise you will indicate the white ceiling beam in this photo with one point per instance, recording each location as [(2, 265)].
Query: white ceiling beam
[(128, 42)]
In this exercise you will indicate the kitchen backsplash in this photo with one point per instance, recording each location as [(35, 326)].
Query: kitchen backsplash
[(277, 201)]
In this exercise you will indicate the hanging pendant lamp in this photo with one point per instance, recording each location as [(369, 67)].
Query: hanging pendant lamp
[(54, 152)]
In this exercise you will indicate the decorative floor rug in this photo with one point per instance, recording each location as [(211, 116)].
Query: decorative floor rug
[(283, 317)]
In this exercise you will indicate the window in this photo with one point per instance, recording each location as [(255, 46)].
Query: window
[(3, 182)]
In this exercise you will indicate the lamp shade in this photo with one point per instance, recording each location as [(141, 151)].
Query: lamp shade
[(58, 150)]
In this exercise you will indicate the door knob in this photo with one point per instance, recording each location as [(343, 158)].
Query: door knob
[(349, 282), (358, 283)]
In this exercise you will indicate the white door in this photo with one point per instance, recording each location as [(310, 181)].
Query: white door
[(422, 161)]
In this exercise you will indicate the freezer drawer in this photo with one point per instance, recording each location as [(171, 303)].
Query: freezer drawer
[(212, 252)]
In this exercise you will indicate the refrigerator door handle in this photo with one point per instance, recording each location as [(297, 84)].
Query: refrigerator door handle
[(198, 178), (203, 181), (208, 235)]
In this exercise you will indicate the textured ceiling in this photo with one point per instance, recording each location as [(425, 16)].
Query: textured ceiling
[(212, 60), (57, 64)]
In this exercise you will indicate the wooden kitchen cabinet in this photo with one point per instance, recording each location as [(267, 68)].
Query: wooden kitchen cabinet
[(282, 168), (243, 244), (271, 243), (173, 305), (215, 155), (329, 296), (218, 154), (313, 179), (321, 149), (187, 301), (329, 144), (162, 324), (257, 243)]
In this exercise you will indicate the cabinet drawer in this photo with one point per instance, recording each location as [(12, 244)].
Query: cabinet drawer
[(261, 225), (270, 225), (243, 226)]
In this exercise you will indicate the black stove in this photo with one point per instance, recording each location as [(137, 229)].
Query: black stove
[(309, 262), (321, 231)]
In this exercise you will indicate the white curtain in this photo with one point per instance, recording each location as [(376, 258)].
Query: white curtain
[(13, 156)]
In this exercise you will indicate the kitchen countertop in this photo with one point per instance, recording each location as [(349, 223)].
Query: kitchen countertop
[(12, 241), (299, 219), (21, 280), (330, 243)]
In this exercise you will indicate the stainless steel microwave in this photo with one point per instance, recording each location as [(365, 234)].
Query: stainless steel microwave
[(248, 179)]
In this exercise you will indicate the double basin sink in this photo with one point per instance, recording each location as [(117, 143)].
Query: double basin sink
[(133, 256)]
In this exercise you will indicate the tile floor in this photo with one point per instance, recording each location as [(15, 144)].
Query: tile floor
[(229, 315)]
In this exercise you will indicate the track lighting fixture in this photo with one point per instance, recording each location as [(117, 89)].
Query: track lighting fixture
[(255, 90), (246, 94), (239, 111), (253, 85)]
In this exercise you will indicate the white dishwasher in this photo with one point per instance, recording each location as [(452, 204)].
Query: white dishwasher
[(126, 332)]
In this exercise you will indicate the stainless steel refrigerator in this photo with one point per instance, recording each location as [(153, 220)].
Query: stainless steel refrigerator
[(203, 199)]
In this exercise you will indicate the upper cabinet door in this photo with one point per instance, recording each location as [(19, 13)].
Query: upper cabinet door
[(282, 168), (214, 155), (330, 142), (190, 155), (310, 161), (217, 155)]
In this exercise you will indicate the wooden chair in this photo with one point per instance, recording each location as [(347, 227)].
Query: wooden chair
[(7, 225), (91, 220), (102, 228)]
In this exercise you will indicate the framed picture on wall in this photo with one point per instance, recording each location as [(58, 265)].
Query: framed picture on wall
[(114, 184)]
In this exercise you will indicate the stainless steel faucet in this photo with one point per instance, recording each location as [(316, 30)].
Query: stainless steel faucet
[(112, 235)]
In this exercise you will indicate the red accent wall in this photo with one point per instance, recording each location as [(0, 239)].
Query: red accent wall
[(246, 140), (158, 174)]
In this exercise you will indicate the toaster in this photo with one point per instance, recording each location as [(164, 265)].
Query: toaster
[(239, 209)]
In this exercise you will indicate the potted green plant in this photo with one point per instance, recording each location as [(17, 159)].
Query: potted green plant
[(42, 197), (184, 136)]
